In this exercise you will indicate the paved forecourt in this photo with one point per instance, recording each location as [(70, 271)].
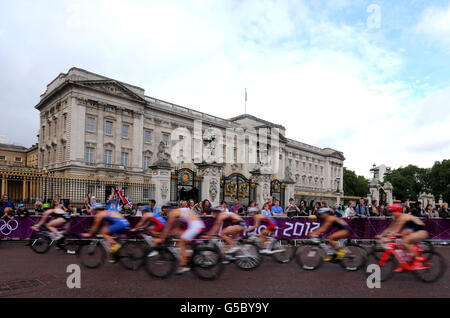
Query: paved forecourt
[(27, 274)]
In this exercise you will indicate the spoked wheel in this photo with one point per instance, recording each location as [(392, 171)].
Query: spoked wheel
[(436, 267), (131, 255), (71, 243), (248, 257), (310, 257), (206, 263), (387, 266), (283, 250), (92, 255), (159, 262), (40, 243), (354, 259)]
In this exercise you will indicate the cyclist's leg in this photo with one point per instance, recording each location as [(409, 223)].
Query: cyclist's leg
[(42, 220), (333, 238), (412, 239), (107, 232), (53, 224), (194, 228), (228, 234)]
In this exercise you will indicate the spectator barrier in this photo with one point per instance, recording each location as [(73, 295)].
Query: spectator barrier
[(288, 228)]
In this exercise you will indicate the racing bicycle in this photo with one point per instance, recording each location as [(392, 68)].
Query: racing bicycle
[(41, 241), (311, 253), (391, 258)]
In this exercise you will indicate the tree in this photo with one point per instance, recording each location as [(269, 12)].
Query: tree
[(355, 185), (408, 182), (439, 180)]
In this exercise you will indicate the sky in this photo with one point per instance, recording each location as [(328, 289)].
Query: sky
[(368, 78)]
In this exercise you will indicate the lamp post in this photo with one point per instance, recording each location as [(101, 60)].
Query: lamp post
[(338, 198), (46, 185)]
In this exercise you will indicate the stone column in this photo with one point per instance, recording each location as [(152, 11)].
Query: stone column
[(262, 181), (24, 189), (161, 178), (388, 188), (3, 185), (374, 193), (289, 192), (212, 174)]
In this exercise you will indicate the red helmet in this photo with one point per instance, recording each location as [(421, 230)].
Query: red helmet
[(396, 208)]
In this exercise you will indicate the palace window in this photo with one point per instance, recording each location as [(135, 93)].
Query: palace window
[(108, 156), (147, 136), (146, 162), (124, 159), (165, 138), (109, 128), (90, 124), (125, 130), (89, 155)]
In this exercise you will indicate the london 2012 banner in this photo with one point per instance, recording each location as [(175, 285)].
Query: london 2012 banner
[(287, 228)]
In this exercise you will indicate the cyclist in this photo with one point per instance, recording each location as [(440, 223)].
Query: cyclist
[(342, 232), (60, 217), (412, 229), (118, 224), (155, 221), (230, 232), (271, 226), (194, 227)]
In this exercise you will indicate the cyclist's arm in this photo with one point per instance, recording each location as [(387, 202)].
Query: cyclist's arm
[(142, 221), (98, 219), (393, 228), (322, 229), (170, 222), (216, 226), (257, 223)]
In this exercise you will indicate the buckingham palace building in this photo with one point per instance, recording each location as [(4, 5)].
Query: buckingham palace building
[(97, 133)]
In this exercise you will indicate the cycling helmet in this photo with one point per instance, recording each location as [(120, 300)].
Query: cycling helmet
[(169, 206), (323, 211), (396, 208), (145, 208), (98, 206)]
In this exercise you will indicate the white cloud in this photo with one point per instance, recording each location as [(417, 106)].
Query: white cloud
[(435, 24)]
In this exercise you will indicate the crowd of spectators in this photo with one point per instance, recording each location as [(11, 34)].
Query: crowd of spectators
[(272, 207)]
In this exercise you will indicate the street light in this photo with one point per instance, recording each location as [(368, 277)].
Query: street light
[(337, 191)]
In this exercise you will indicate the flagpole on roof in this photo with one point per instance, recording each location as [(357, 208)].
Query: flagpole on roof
[(245, 105)]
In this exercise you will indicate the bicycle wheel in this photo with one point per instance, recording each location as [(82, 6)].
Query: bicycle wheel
[(354, 259), (283, 250), (40, 243), (437, 267), (159, 262), (131, 255), (248, 257), (92, 255), (206, 263), (71, 243), (386, 269), (310, 257)]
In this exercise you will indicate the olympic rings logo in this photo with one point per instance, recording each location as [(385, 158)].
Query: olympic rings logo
[(7, 225)]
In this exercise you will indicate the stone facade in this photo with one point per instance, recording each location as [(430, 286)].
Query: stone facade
[(91, 124)]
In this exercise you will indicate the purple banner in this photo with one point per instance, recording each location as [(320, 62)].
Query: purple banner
[(295, 228)]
